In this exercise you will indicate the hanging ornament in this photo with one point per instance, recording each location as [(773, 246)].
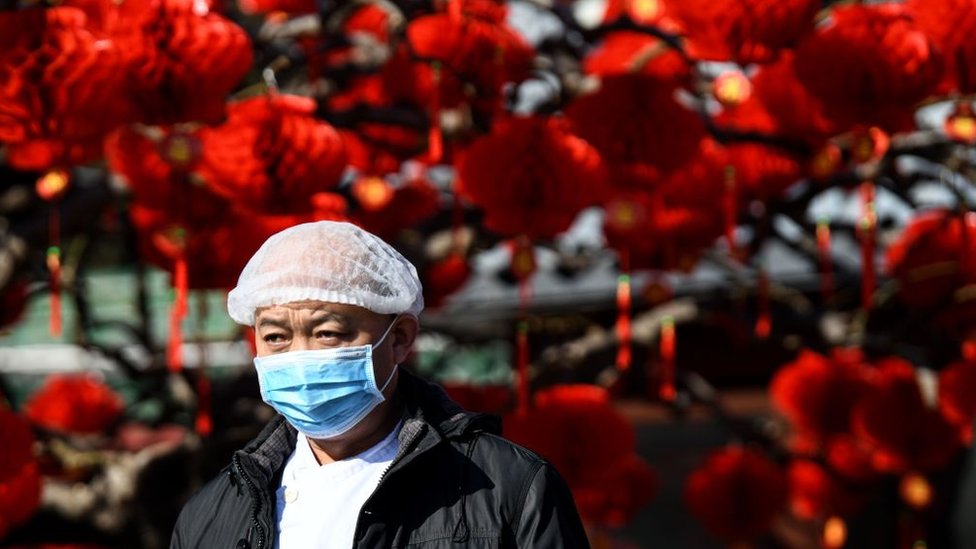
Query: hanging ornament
[(915, 491), (826, 162), (731, 89), (866, 230), (869, 144), (764, 321), (436, 136), (834, 535), (730, 209), (825, 260), (960, 125), (622, 327), (372, 193), (51, 187), (666, 388), (523, 267)]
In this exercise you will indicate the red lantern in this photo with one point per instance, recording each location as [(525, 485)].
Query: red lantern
[(817, 395), (20, 479), (907, 433), (531, 176), (627, 52), (272, 155), (62, 85), (745, 31), (957, 400), (737, 493), (407, 205), (950, 25), (591, 445), (443, 278), (869, 65), (816, 493), (184, 60), (635, 118), (74, 404)]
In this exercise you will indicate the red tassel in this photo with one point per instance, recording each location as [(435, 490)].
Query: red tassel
[(764, 322), (174, 351), (623, 323), (204, 419), (522, 366), (454, 11), (54, 268), (731, 210), (436, 137), (867, 227), (826, 266), (667, 390)]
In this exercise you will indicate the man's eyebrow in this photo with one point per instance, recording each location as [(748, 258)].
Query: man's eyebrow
[(321, 316), (267, 321)]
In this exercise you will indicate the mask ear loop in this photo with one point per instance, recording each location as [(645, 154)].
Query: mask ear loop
[(395, 366)]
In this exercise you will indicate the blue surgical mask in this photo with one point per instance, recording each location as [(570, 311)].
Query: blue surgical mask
[(322, 392)]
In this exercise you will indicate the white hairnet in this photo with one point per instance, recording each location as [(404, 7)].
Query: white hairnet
[(327, 261)]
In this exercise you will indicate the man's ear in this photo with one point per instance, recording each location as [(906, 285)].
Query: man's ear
[(404, 333)]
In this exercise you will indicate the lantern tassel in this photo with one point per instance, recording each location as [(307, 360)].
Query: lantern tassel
[(624, 348), (826, 265), (731, 210), (868, 225), (522, 349), (54, 269), (174, 351), (203, 423), (667, 390), (764, 320), (436, 136)]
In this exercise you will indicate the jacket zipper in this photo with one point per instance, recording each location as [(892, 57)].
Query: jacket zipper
[(255, 502)]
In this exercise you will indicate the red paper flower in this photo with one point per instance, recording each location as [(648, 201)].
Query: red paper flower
[(817, 395), (815, 493), (907, 433), (591, 445), (745, 31), (634, 118), (74, 404), (870, 65), (737, 493), (272, 155), (957, 399), (184, 60), (20, 479), (950, 25), (531, 176), (61, 87)]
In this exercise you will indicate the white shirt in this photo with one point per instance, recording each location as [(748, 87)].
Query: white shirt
[(318, 505)]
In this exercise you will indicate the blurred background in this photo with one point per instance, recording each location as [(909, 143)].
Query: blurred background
[(715, 260)]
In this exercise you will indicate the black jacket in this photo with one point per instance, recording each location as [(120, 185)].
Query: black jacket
[(454, 483)]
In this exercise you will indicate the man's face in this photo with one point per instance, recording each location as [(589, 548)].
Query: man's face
[(309, 325)]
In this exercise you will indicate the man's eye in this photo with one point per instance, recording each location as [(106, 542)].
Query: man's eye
[(327, 334), (274, 338)]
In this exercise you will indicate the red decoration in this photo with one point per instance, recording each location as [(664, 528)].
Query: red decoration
[(622, 326), (907, 433), (50, 53), (639, 11), (737, 493), (667, 223), (867, 228), (20, 479), (485, 399), (184, 60), (666, 390), (731, 88), (816, 493), (443, 278), (396, 207), (591, 445), (296, 7), (932, 263), (960, 125), (482, 53), (793, 111), (746, 31), (531, 176), (950, 25), (634, 118), (621, 53), (825, 259), (74, 404), (870, 64), (272, 155), (817, 394), (957, 400)]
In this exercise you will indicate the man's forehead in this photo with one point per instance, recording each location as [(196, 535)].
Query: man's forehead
[(318, 308)]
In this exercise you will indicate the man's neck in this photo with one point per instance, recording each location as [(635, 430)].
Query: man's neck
[(361, 438)]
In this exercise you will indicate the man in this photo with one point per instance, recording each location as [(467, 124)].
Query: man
[(362, 454)]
